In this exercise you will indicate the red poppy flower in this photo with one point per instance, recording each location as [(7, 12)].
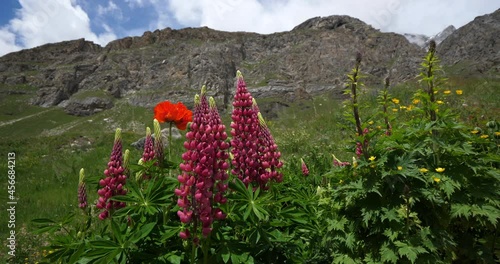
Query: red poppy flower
[(175, 113)]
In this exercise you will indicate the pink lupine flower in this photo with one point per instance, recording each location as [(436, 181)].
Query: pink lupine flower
[(114, 181), (148, 153), (203, 179), (359, 146), (82, 191), (245, 131), (269, 156), (305, 170), (338, 163)]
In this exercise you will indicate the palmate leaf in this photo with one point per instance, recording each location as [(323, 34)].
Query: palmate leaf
[(389, 214), (344, 259), (387, 254), (409, 251), (460, 210), (143, 232)]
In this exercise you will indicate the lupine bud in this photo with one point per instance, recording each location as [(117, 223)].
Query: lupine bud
[(305, 170), (82, 190), (338, 163), (158, 144), (114, 178), (126, 162), (148, 153)]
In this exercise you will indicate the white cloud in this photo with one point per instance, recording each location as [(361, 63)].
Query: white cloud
[(134, 3), (110, 8), (7, 41), (40, 22), (267, 16)]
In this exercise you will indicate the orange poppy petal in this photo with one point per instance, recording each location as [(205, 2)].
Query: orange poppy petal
[(175, 113)]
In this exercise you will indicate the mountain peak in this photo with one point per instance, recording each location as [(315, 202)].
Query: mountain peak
[(423, 40), (331, 23)]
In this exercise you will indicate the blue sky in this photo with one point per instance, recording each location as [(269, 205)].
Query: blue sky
[(30, 23)]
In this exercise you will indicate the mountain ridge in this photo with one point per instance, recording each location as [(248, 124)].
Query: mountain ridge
[(311, 58)]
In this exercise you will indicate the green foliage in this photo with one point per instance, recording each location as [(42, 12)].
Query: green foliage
[(425, 188), (428, 193)]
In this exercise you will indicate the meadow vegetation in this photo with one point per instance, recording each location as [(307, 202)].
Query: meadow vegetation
[(392, 174)]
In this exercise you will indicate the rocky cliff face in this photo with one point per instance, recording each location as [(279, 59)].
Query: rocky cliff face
[(475, 47), (173, 64)]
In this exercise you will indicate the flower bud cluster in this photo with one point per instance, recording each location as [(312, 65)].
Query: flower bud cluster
[(82, 191), (113, 183), (203, 181), (305, 170), (148, 153), (245, 132), (158, 143), (269, 156), (359, 146), (338, 163)]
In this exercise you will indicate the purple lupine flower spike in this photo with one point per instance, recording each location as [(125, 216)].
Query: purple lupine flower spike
[(204, 176), (305, 170), (245, 133), (270, 155), (148, 153), (114, 181)]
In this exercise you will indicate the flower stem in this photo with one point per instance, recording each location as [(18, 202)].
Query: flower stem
[(170, 146)]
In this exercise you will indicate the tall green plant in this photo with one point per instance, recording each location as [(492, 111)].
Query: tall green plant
[(427, 193)]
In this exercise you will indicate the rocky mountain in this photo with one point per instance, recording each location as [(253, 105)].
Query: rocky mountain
[(423, 40), (417, 39), (313, 58), (441, 36), (475, 47)]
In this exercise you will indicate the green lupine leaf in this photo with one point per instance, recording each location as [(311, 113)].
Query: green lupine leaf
[(143, 232)]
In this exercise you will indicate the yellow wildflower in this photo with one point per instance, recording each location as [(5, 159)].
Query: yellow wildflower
[(370, 122), (379, 127), (474, 131), (436, 179), (484, 136), (439, 102), (400, 168), (409, 108), (341, 181), (402, 107), (497, 133), (394, 110), (395, 100), (372, 158), (435, 92), (440, 169), (459, 92), (423, 170), (416, 101), (447, 92)]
